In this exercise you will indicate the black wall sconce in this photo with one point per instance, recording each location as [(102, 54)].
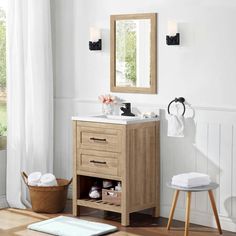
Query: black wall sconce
[(95, 42), (93, 46), (173, 37), (172, 40)]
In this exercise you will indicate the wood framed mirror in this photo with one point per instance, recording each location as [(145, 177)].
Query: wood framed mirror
[(133, 59)]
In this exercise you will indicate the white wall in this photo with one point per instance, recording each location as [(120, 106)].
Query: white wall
[(63, 47), (201, 69), (205, 59)]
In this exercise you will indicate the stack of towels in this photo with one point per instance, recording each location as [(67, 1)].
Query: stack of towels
[(46, 180), (190, 180)]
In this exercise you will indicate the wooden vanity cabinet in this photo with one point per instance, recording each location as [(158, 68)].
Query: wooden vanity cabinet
[(127, 153)]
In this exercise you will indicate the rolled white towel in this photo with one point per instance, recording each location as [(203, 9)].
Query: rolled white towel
[(48, 180), (34, 178), (149, 115), (191, 179)]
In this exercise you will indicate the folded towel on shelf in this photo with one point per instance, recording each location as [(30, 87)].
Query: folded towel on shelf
[(48, 180), (34, 178), (175, 126), (190, 180)]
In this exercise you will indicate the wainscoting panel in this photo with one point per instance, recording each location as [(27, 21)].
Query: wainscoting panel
[(201, 161), (214, 158), (209, 146), (226, 169)]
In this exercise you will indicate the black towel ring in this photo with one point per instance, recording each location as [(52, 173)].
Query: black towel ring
[(181, 100)]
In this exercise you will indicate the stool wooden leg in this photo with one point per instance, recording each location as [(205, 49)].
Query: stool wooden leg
[(213, 204), (187, 216), (172, 211)]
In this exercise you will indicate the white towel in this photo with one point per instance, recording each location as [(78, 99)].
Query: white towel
[(175, 126), (34, 178), (48, 180), (192, 179)]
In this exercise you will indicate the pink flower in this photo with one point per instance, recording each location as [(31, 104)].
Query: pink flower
[(107, 99)]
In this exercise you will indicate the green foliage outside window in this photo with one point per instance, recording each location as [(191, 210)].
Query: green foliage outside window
[(3, 107), (126, 48), (2, 49)]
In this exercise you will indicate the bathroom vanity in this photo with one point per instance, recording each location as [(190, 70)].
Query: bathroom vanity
[(123, 149)]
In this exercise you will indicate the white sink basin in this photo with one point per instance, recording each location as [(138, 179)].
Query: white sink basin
[(114, 119)]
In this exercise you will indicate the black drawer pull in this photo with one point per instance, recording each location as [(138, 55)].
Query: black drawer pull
[(98, 162), (98, 139)]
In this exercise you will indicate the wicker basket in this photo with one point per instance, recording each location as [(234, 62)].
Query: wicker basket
[(48, 199), (111, 196)]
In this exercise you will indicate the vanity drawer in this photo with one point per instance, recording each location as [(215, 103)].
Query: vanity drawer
[(98, 162), (95, 138)]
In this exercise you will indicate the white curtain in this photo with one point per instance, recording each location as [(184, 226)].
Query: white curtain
[(30, 94)]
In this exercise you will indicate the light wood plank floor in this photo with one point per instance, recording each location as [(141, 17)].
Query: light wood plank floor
[(14, 222)]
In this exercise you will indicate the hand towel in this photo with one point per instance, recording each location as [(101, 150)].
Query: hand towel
[(175, 126), (34, 178), (192, 179), (48, 180)]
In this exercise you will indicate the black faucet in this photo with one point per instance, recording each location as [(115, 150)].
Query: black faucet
[(127, 109)]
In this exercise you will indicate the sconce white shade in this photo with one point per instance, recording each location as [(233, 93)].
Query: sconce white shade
[(172, 28), (95, 34)]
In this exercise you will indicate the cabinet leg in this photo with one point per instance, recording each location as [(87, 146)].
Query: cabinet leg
[(125, 219), (187, 213), (156, 211), (76, 209), (213, 204), (172, 211)]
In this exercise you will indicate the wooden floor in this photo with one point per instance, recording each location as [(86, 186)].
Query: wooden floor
[(14, 223)]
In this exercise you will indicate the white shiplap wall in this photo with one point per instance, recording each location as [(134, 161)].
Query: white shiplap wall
[(209, 146)]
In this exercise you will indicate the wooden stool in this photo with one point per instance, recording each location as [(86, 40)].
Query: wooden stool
[(189, 191)]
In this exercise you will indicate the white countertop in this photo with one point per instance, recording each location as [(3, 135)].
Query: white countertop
[(112, 119)]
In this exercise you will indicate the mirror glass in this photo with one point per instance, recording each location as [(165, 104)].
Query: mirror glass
[(133, 53), (133, 42)]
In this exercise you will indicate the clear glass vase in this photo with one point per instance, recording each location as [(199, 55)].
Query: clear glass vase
[(107, 109)]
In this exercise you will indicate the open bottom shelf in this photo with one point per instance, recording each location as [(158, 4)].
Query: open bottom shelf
[(99, 204)]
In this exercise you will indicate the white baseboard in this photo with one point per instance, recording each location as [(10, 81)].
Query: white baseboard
[(3, 202), (201, 218)]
